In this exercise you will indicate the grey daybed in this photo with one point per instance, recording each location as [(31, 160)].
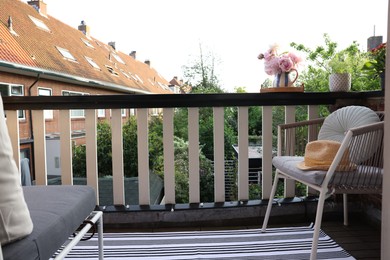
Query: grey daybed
[(56, 212)]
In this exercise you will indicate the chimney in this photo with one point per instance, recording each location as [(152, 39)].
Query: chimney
[(112, 44), (84, 28), (40, 6), (373, 42), (147, 62), (10, 27), (133, 54)]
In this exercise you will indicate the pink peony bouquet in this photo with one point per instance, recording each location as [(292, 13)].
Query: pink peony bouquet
[(276, 64)]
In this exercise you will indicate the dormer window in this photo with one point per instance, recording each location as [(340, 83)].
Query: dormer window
[(39, 23), (139, 79), (87, 43), (66, 54), (111, 70), (124, 73), (92, 63), (117, 58)]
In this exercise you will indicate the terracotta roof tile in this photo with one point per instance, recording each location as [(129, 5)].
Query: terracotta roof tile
[(33, 41)]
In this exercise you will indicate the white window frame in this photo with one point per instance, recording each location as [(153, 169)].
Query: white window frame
[(39, 23), (92, 62), (123, 112), (66, 54), (48, 114), (75, 113), (10, 92), (101, 113), (87, 43), (154, 111), (118, 58), (132, 111)]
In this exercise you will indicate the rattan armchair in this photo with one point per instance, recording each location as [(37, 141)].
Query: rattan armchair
[(361, 147)]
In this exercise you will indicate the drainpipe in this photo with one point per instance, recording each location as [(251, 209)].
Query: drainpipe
[(31, 126), (30, 116)]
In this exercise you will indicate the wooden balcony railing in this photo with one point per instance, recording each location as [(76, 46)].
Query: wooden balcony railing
[(142, 103)]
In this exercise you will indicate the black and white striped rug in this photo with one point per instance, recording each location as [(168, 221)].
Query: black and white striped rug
[(276, 243)]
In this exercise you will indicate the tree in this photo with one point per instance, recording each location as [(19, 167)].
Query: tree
[(201, 74)]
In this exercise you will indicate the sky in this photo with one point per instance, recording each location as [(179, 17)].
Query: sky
[(169, 33)]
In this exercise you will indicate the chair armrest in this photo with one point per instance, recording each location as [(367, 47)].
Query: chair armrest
[(293, 137)]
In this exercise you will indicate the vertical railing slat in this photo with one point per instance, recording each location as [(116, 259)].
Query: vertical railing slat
[(66, 147), (289, 185), (118, 178), (193, 154), (91, 151), (243, 158), (169, 156), (312, 113), (219, 155), (267, 152), (39, 147), (13, 130), (143, 156)]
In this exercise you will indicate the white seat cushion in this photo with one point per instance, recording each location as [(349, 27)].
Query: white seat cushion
[(15, 220)]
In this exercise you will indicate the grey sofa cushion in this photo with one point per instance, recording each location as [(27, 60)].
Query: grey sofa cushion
[(56, 212)]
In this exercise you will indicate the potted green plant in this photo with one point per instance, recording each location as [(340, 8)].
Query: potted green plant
[(375, 66), (340, 68)]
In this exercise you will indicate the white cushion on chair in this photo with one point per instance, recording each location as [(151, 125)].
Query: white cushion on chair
[(339, 122), (15, 220)]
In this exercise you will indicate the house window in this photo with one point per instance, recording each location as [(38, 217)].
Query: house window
[(13, 90), (132, 111), (154, 111), (66, 54), (87, 43), (92, 62), (123, 112), (46, 92), (119, 59), (111, 70), (101, 113), (139, 79), (39, 23), (75, 113)]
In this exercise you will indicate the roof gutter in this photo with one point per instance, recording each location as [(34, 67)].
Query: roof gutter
[(67, 78)]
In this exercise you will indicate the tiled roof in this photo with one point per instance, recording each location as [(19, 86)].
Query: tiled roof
[(39, 48), (11, 51)]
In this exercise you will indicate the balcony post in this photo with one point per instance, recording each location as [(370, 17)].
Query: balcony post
[(267, 152), (143, 156), (91, 151), (169, 156), (219, 155), (193, 154), (39, 130), (66, 148), (243, 161), (118, 179)]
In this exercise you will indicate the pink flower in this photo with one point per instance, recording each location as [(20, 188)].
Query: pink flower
[(295, 59), (285, 63), (272, 67), (275, 64)]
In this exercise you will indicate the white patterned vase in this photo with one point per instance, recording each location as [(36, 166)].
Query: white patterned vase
[(340, 82), (283, 80)]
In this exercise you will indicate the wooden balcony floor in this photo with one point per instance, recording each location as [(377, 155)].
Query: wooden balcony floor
[(359, 239)]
